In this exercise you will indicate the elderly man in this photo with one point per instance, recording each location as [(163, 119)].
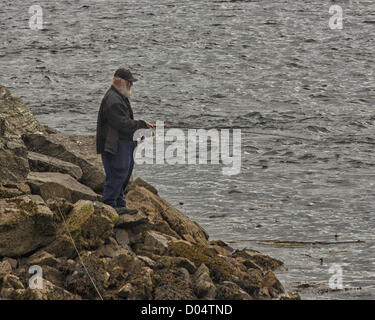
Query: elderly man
[(114, 139)]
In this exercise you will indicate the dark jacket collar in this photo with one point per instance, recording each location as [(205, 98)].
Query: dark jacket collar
[(119, 93)]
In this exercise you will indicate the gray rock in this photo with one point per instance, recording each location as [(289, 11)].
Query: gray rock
[(228, 290), (5, 267), (148, 261), (273, 284), (13, 158), (126, 291), (16, 118), (59, 185), (156, 240), (122, 237), (292, 295), (76, 149), (13, 262), (42, 258), (89, 224), (11, 190), (126, 221), (204, 287), (25, 225), (42, 163), (48, 292), (10, 281)]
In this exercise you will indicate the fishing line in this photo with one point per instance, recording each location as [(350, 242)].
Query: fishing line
[(79, 256)]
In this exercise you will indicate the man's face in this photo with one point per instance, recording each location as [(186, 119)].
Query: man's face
[(126, 87), (129, 84)]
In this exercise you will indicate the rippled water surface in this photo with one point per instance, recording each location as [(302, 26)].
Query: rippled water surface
[(302, 94)]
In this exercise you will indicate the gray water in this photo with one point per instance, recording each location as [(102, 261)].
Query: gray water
[(302, 94)]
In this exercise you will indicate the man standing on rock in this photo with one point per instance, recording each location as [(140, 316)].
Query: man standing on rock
[(114, 139)]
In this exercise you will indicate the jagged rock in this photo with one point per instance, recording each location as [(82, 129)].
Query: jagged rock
[(5, 267), (11, 294), (140, 285), (185, 263), (16, 118), (11, 190), (26, 223), (128, 261), (141, 183), (292, 295), (41, 163), (221, 247), (59, 206), (147, 261), (48, 292), (176, 262), (13, 158), (13, 262), (248, 263), (157, 241), (53, 275), (89, 224), (228, 290), (184, 273), (10, 281), (258, 259), (159, 209), (170, 284), (221, 269), (76, 149), (127, 221), (275, 288), (123, 238), (204, 288), (80, 282), (111, 250), (58, 185), (126, 291), (42, 258)]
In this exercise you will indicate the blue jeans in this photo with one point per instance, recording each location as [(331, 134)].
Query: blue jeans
[(118, 169)]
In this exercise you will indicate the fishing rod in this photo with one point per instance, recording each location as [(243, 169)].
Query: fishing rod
[(247, 131)]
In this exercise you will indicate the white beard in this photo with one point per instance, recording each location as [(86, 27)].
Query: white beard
[(125, 91)]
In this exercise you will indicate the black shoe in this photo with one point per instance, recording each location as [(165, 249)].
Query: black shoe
[(123, 210)]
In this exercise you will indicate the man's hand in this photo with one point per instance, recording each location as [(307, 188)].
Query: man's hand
[(149, 125)]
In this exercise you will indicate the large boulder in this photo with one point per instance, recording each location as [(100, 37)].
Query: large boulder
[(49, 291), (42, 163), (88, 224), (228, 290), (13, 158), (26, 223), (204, 288), (255, 259), (16, 118), (12, 189), (76, 149), (58, 185), (222, 268), (159, 210)]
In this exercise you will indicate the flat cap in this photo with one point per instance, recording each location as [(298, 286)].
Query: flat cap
[(125, 74)]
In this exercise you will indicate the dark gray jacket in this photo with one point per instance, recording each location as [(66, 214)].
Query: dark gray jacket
[(115, 121)]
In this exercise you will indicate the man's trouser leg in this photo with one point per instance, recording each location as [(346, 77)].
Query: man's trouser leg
[(121, 202), (117, 169)]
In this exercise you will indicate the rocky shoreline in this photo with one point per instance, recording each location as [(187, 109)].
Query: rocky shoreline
[(51, 217)]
